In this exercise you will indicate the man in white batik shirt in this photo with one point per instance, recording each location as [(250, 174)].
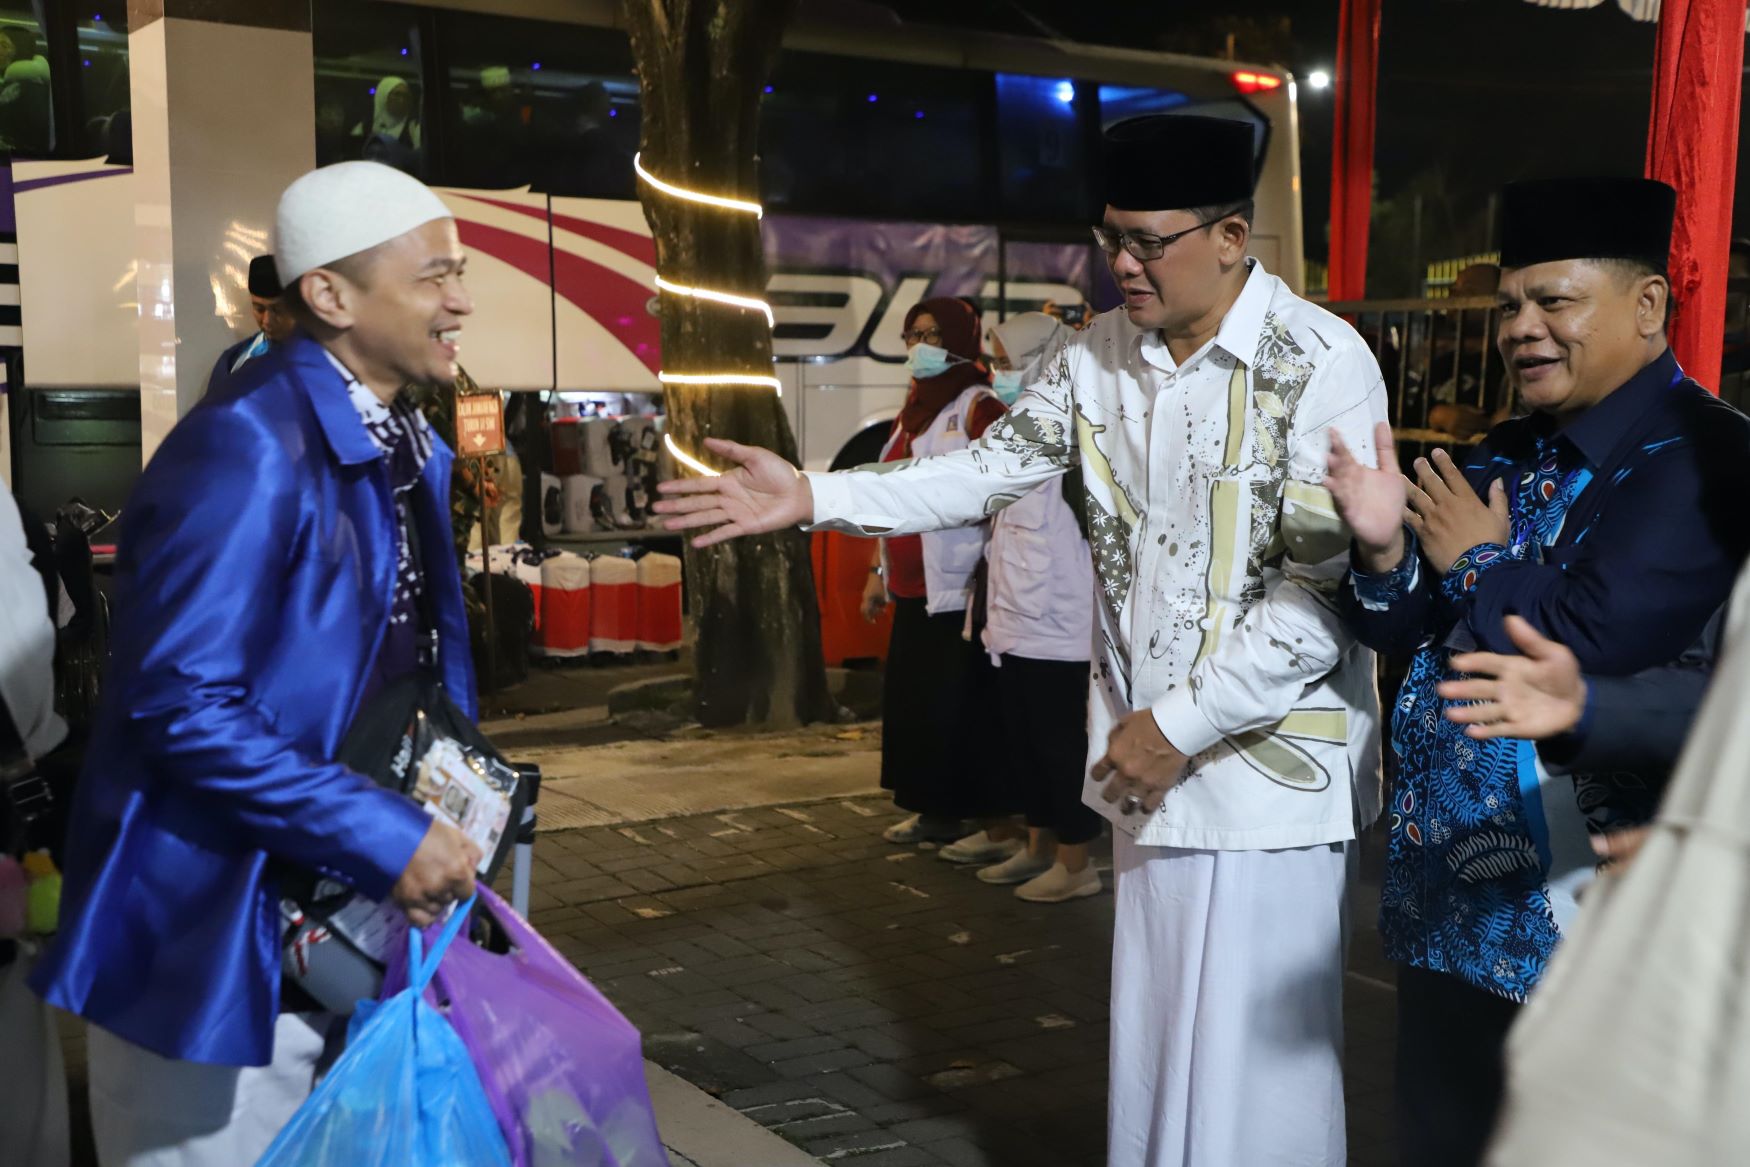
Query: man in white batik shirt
[(1233, 718)]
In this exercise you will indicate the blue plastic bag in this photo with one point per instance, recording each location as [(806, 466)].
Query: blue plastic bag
[(404, 1094), (563, 1070)]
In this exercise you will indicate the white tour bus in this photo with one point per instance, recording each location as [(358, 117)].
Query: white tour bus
[(897, 162)]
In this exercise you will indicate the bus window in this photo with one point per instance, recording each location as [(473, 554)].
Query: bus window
[(850, 136), (528, 103), (103, 86), (1044, 170), (368, 100), (1118, 102), (26, 110)]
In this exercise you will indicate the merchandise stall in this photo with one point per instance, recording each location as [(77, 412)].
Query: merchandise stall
[(603, 576)]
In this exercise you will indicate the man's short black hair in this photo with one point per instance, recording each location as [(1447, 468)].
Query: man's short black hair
[(356, 268), (1627, 271), (1244, 210)]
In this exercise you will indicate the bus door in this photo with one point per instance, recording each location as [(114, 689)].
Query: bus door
[(1060, 272)]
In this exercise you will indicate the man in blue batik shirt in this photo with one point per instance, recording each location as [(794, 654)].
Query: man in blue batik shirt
[(274, 324), (1611, 519)]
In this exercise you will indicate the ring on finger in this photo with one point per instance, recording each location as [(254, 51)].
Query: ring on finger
[(1131, 804)]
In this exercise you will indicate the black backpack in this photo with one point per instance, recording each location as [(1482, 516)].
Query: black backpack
[(504, 660)]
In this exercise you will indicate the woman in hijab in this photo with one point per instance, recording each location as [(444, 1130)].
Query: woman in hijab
[(394, 138), (937, 684), (1039, 631)]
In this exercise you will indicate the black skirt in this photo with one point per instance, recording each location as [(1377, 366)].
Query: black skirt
[(1045, 730), (939, 719)]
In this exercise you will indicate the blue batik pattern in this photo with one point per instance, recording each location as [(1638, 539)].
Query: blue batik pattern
[(1465, 889), (1543, 496)]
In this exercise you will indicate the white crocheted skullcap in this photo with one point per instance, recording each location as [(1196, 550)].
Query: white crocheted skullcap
[(344, 209)]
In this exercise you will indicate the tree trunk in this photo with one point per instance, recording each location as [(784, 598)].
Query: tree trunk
[(702, 67)]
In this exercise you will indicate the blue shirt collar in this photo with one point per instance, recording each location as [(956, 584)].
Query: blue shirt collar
[(1598, 431), (327, 387), (255, 346)]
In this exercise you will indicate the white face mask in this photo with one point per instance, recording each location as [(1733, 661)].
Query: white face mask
[(924, 361), (1007, 384)]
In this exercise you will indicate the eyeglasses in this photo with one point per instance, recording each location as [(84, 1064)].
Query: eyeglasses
[(1146, 245), (922, 336)]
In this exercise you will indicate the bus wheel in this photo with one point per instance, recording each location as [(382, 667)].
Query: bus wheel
[(864, 448)]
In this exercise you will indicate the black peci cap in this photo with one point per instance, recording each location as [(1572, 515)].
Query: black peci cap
[(1166, 162), (1552, 219), (264, 279)]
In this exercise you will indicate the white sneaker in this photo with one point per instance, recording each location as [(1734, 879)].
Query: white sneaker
[(1060, 884), (980, 848), (1017, 868), (917, 829)]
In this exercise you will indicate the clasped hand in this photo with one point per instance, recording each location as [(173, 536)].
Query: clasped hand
[(1446, 514), (1140, 764), (1438, 505)]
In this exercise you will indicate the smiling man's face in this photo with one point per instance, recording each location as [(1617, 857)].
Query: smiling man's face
[(408, 312), (1575, 330)]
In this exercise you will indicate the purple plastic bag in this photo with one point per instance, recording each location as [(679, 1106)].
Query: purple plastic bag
[(563, 1069)]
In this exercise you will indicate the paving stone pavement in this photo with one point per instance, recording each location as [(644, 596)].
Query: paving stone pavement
[(871, 1003)]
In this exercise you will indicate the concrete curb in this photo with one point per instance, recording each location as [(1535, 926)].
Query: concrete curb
[(644, 780), (588, 715), (706, 1133)]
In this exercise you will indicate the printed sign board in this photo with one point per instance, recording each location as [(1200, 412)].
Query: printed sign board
[(479, 424)]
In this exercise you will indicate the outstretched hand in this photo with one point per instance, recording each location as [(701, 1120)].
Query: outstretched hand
[(1535, 696), (762, 493), (1371, 501)]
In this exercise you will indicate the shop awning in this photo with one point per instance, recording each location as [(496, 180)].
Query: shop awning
[(1645, 11)]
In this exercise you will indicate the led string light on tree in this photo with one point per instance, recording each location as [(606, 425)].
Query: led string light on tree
[(709, 295), (753, 303), (694, 196), (771, 383), (687, 460), (713, 295)]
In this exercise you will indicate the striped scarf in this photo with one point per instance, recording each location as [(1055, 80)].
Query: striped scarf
[(402, 434)]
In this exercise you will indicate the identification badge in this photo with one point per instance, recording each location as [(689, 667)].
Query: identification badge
[(451, 784)]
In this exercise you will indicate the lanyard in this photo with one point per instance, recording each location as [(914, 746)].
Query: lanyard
[(1536, 497)]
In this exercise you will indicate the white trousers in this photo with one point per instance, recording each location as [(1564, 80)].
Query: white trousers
[(34, 1129), (152, 1111), (1227, 1007)]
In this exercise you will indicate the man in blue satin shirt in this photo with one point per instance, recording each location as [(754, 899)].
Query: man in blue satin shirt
[(1611, 518), (263, 587)]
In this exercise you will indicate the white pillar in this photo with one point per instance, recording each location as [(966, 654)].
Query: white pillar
[(224, 116)]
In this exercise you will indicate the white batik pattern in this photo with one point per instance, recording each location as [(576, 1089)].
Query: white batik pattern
[(1216, 551)]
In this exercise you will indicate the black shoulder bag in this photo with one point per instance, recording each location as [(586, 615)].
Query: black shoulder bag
[(411, 737), (25, 797)]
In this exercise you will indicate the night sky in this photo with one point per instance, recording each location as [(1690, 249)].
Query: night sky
[(1472, 94)]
